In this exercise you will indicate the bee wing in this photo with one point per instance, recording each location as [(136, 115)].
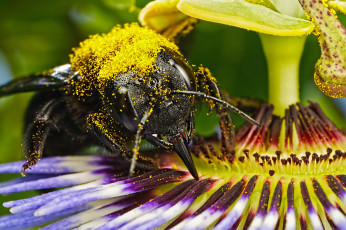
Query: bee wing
[(52, 79)]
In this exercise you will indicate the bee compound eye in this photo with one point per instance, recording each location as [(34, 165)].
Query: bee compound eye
[(185, 72)]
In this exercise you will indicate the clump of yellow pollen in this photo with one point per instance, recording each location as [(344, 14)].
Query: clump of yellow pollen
[(100, 58)]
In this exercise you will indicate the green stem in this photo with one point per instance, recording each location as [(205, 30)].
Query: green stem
[(283, 57)]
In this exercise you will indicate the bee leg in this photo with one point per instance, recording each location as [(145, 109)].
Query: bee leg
[(108, 137), (190, 127), (157, 141), (36, 133), (208, 84), (138, 138)]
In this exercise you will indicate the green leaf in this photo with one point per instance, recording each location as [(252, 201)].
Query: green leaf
[(243, 14)]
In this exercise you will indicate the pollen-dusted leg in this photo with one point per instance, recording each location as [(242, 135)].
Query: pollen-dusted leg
[(103, 126), (138, 139), (207, 83), (100, 125), (37, 132)]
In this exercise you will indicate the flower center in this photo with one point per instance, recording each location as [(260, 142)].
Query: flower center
[(303, 142)]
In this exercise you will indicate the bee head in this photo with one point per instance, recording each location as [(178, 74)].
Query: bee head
[(129, 95)]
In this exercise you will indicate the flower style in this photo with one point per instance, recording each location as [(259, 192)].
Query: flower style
[(278, 176)]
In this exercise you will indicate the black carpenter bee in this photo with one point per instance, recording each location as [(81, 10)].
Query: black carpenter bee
[(120, 87)]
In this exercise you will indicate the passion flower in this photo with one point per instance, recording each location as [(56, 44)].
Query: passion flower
[(289, 173)]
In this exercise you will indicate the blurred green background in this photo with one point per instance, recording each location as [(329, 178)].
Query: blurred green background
[(37, 35)]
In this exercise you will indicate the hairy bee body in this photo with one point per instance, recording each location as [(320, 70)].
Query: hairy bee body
[(120, 87)]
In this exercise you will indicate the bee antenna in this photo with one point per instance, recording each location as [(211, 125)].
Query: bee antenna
[(220, 101)]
